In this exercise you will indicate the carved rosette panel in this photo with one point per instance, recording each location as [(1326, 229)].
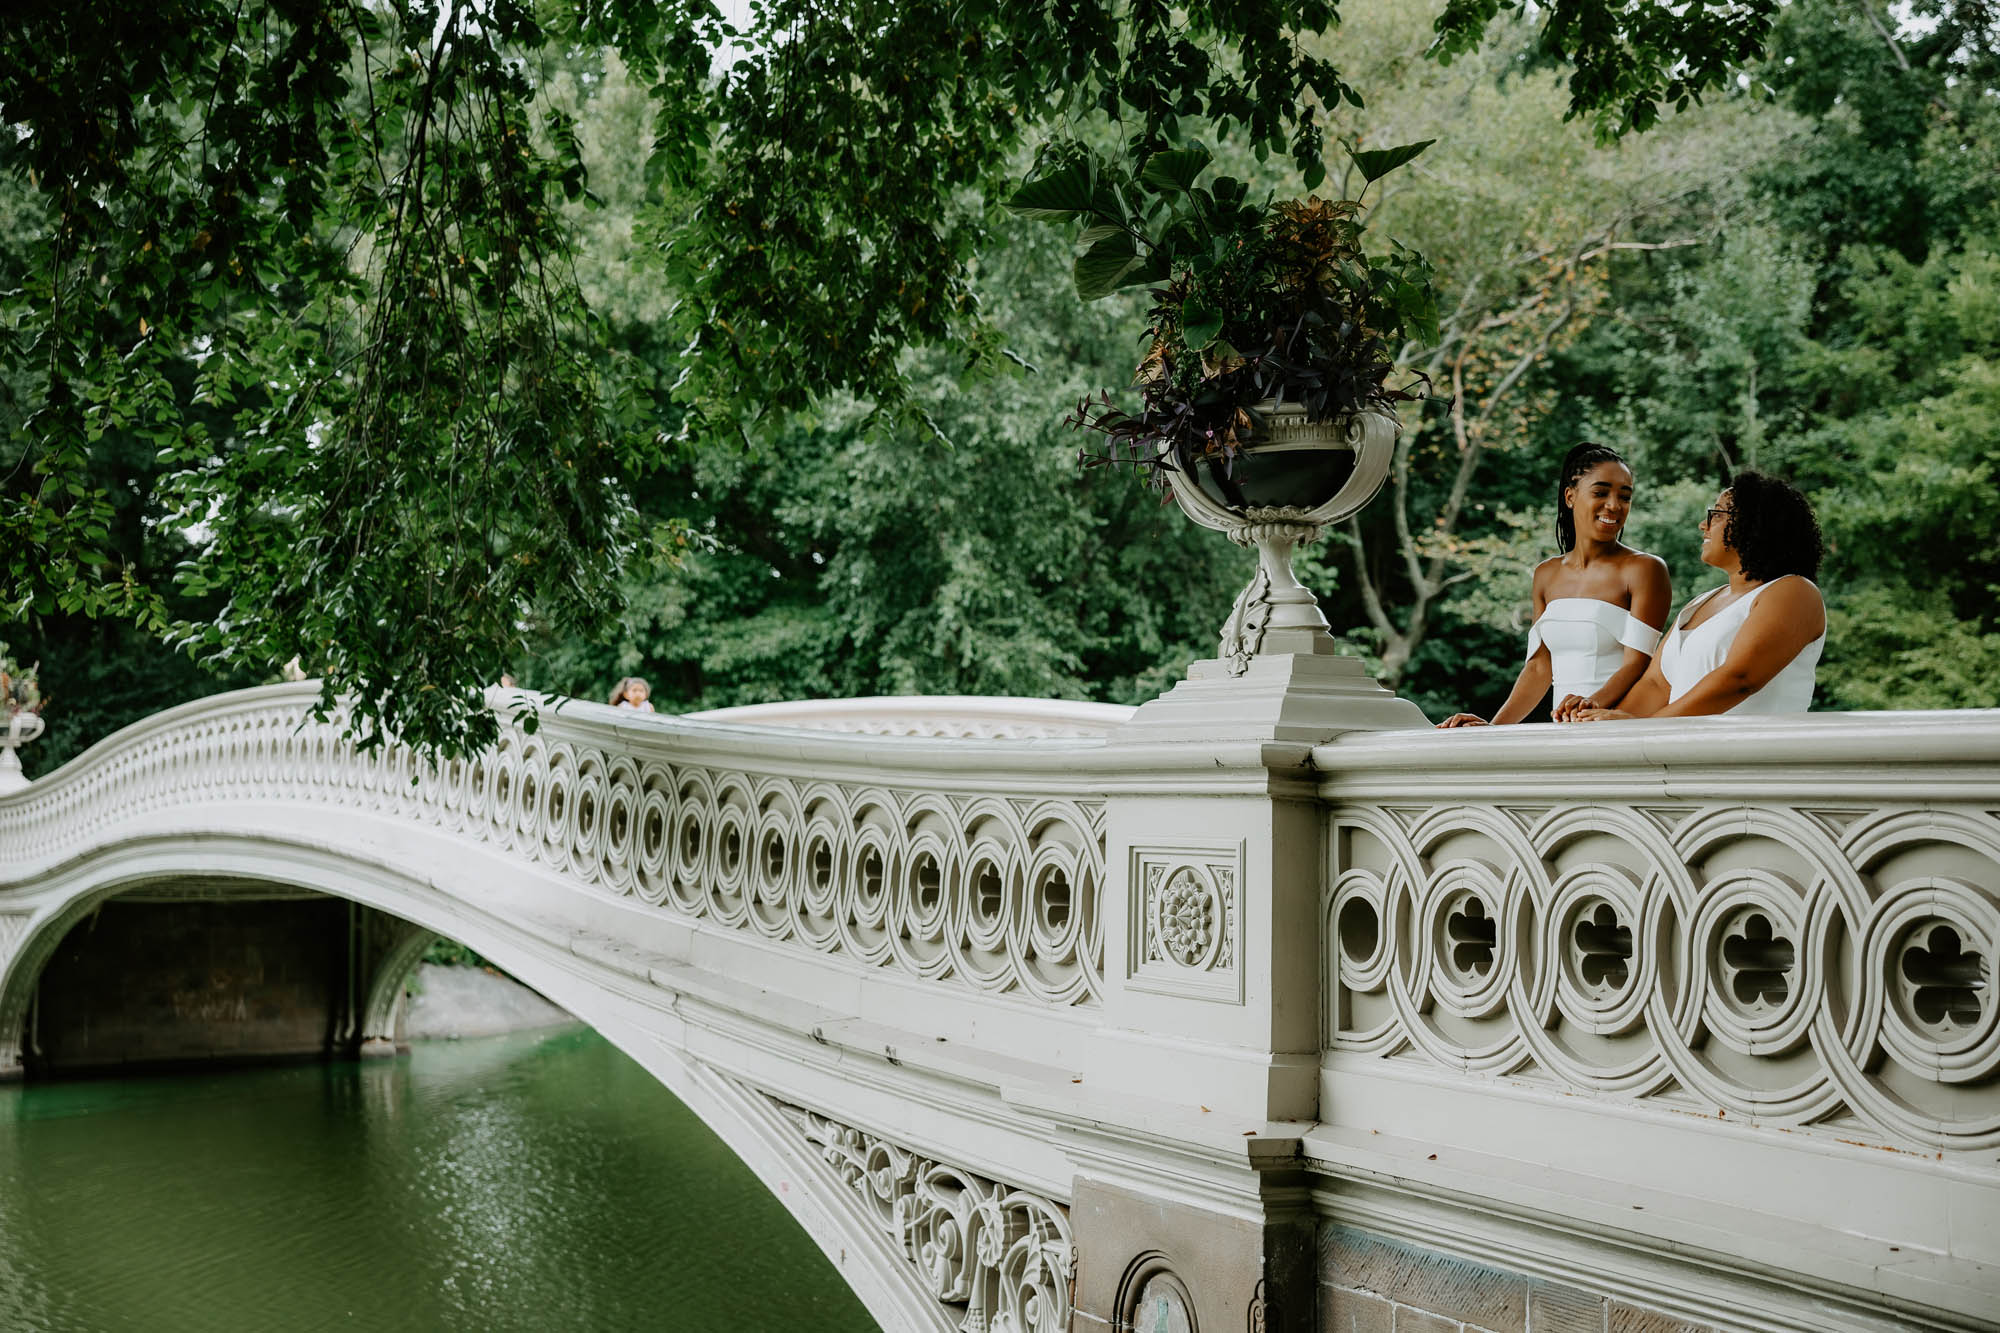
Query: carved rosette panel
[(1787, 965), (1186, 917), (998, 1258), (990, 890)]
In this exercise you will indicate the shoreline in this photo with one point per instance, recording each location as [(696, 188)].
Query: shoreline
[(453, 1003)]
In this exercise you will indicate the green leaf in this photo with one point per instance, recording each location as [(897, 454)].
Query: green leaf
[(1200, 325), (1055, 198), (1379, 162), (1102, 269), (1147, 273), (1174, 172)]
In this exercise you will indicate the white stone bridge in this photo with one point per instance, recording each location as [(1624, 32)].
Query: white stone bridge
[(1188, 1017)]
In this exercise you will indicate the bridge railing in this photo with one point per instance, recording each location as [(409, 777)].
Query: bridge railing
[(974, 863), (1791, 923), (1713, 985)]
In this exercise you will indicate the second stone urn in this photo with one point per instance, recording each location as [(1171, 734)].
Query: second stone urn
[(20, 728), (1284, 490)]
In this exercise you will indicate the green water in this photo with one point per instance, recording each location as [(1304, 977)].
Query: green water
[(538, 1182)]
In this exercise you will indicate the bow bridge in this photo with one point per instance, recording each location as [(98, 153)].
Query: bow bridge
[(1047, 1017)]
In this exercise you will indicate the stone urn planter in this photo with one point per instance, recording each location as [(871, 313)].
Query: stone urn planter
[(1297, 480), (21, 728)]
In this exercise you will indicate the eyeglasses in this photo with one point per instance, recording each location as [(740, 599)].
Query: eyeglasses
[(1713, 512)]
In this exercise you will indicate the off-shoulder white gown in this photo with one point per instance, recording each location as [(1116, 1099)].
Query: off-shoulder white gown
[(1587, 640)]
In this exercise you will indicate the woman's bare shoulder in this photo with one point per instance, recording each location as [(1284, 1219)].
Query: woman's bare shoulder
[(1792, 592), (1644, 569), (1795, 599)]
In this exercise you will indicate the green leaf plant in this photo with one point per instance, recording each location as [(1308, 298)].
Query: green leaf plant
[(1256, 304)]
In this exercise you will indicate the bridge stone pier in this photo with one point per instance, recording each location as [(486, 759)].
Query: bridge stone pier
[(1261, 1008)]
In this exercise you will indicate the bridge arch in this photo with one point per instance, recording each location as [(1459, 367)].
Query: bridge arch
[(761, 1136), (769, 1042)]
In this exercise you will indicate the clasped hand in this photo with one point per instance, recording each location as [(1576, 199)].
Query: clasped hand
[(1577, 708)]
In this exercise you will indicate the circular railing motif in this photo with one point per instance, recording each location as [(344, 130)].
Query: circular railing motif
[(946, 884), (1658, 953)]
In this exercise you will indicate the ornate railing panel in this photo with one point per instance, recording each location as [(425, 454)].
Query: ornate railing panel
[(1815, 956), (937, 874), (999, 1258)]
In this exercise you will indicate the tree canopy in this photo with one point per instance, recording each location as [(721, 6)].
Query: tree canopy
[(296, 356)]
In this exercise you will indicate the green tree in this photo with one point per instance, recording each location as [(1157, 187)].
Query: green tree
[(853, 553), (1528, 224), (314, 256)]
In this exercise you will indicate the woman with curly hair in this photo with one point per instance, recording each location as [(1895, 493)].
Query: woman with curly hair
[(1598, 603), (1752, 645)]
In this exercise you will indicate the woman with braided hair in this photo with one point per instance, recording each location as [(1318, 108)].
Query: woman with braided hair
[(1753, 644), (1598, 604)]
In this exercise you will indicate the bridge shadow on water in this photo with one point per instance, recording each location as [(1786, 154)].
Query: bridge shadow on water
[(537, 1182)]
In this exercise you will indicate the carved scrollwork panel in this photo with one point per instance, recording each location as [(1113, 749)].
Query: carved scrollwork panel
[(998, 1258), (949, 883), (13, 929)]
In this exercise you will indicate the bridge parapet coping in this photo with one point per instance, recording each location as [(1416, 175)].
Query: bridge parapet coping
[(951, 716)]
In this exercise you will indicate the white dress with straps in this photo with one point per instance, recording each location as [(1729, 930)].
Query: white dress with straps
[(1688, 655), (1587, 640)]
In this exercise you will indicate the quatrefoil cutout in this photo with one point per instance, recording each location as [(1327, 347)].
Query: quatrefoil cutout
[(1946, 979), (1761, 961), (1473, 935), (1604, 946)]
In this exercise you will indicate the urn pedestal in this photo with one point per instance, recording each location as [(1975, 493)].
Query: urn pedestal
[(21, 728), (1277, 674)]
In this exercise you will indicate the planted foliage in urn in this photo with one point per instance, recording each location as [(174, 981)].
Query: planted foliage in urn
[(1269, 384)]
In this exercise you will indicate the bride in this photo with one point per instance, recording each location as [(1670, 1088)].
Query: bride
[(1598, 605), (1752, 645)]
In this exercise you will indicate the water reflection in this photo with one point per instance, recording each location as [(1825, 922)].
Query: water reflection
[(536, 1182)]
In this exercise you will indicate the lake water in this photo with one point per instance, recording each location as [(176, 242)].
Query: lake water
[(534, 1182)]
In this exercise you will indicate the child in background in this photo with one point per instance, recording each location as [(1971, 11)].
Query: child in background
[(633, 692)]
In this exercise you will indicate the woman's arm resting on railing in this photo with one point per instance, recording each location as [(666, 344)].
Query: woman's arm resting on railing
[(1529, 687), (1785, 619), (1536, 672), (1644, 699)]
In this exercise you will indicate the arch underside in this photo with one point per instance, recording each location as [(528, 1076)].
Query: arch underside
[(839, 1183)]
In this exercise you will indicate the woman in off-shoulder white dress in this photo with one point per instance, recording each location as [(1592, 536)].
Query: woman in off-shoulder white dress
[(1752, 645), (1598, 606)]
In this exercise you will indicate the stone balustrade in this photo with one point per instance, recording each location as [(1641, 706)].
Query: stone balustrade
[(1789, 922), (952, 716), (1727, 983), (897, 853)]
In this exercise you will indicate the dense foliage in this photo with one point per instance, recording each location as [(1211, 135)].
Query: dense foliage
[(424, 364), (1252, 301), (290, 284), (1801, 278), (1668, 296)]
